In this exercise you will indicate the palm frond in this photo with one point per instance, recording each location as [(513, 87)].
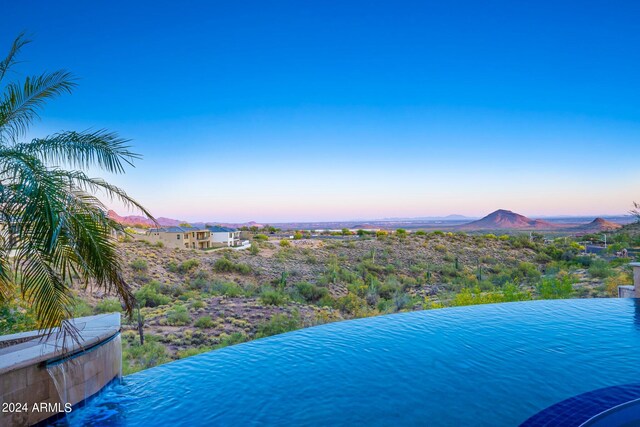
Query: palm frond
[(10, 59), (20, 104), (83, 150), (51, 218), (114, 193)]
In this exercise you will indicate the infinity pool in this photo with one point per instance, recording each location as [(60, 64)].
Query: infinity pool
[(491, 365)]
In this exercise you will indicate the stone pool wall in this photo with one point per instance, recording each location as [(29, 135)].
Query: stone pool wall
[(39, 376)]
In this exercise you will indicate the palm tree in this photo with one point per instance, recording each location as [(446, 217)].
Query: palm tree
[(54, 230)]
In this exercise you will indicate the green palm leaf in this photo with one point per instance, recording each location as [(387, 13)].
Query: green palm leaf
[(51, 218)]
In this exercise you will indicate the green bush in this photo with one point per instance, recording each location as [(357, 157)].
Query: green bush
[(109, 305), (188, 265), (310, 292), (254, 249), (273, 297), (196, 305), (149, 296), (173, 266), (285, 243), (188, 352), (557, 287), (172, 290), (600, 268), (234, 338), (261, 237), (224, 265), (137, 357), (279, 324), (229, 289), (203, 322), (139, 265), (178, 316), (80, 308)]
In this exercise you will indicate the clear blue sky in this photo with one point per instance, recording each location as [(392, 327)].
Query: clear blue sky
[(320, 110)]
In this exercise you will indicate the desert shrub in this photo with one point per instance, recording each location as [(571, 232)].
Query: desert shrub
[(138, 265), (285, 243), (262, 237), (173, 266), (310, 292), (137, 357), (279, 324), (474, 296), (273, 297), (617, 262), (254, 249), (382, 233), (600, 268), (528, 271), (196, 305), (188, 265), (149, 296), (388, 288), (172, 290), (203, 322), (80, 308), (224, 265), (109, 305), (420, 233), (230, 289), (584, 261), (193, 351), (556, 287), (612, 282), (353, 304), (232, 339), (401, 300), (178, 316)]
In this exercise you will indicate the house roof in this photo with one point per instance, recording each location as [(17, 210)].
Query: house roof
[(220, 229), (169, 230)]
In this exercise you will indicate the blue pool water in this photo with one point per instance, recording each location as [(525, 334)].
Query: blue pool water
[(491, 365)]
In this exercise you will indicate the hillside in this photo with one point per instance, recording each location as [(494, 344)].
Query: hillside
[(507, 220), (599, 225), (137, 220)]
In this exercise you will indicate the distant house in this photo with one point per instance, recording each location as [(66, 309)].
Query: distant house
[(224, 235), (180, 237)]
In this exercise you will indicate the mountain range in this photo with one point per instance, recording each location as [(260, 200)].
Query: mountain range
[(501, 219)]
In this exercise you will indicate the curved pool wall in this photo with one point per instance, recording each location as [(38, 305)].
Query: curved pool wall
[(491, 365), (50, 371)]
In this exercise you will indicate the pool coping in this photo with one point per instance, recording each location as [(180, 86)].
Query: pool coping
[(92, 330)]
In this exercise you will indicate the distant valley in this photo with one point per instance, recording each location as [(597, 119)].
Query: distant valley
[(499, 220)]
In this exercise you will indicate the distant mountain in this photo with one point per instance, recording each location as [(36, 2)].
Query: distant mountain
[(505, 220), (429, 218), (137, 220), (456, 217), (597, 225), (140, 221), (228, 224)]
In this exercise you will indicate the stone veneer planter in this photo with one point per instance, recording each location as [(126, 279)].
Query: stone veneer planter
[(49, 373)]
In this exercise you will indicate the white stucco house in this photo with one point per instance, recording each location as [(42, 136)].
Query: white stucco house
[(224, 235)]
